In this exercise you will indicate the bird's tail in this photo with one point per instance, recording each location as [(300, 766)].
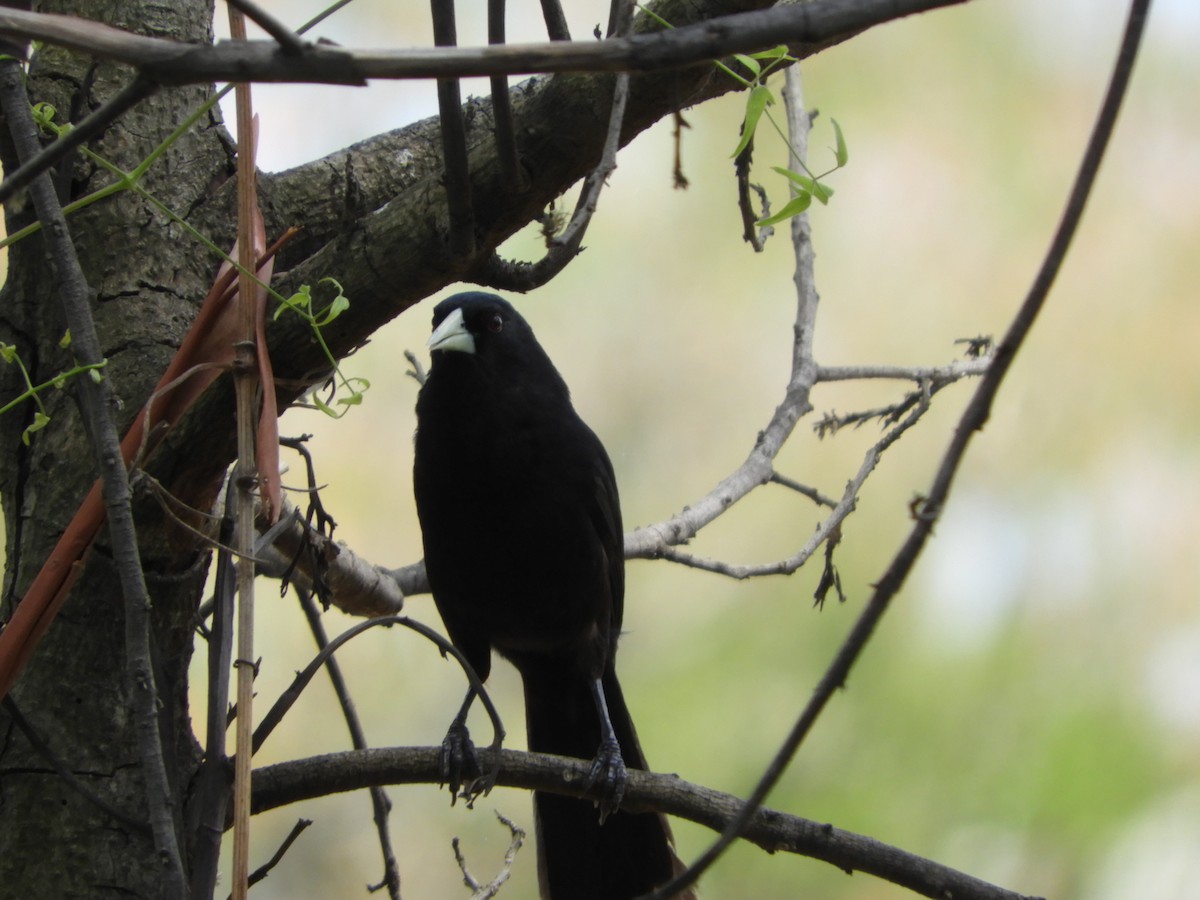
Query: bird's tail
[(578, 858)]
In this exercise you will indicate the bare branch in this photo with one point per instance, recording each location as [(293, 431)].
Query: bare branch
[(265, 869), (213, 779), (753, 235), (803, 489), (951, 371), (556, 22), (492, 888), (653, 541), (285, 702), (824, 531), (456, 172), (173, 63), (565, 247), (290, 782), (515, 178), (289, 41)]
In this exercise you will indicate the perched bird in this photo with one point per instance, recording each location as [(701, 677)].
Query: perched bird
[(524, 549)]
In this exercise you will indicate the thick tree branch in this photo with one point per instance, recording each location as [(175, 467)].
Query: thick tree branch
[(172, 63), (348, 581)]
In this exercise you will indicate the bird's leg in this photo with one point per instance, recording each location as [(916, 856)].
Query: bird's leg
[(608, 774), (459, 759)]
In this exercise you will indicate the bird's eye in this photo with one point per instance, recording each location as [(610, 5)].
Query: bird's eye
[(495, 324)]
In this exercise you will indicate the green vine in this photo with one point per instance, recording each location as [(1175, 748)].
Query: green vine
[(301, 303), (41, 418)]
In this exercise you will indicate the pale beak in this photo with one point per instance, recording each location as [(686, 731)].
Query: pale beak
[(452, 334)]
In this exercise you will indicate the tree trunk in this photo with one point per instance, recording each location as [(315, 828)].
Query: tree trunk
[(147, 281)]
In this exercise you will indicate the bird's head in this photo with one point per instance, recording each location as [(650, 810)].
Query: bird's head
[(473, 323), (481, 336)]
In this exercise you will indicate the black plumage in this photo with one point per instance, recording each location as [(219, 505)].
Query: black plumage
[(521, 525)]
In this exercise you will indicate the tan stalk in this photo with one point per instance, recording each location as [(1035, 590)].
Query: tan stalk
[(245, 477)]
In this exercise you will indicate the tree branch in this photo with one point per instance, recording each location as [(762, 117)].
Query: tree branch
[(170, 62), (828, 527), (290, 782), (951, 371), (211, 800), (354, 585), (564, 247), (492, 888)]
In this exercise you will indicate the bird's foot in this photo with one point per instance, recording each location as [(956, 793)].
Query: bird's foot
[(460, 763), (608, 778)]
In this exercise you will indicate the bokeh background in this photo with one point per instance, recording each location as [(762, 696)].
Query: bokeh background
[(1030, 709)]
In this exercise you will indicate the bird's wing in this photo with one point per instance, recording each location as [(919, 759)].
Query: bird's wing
[(605, 512)]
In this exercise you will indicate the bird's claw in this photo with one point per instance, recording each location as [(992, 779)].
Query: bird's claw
[(608, 778), (460, 762)]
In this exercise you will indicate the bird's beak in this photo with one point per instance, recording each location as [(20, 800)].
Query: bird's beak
[(452, 334)]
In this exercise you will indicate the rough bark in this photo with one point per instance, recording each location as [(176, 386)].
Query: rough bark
[(147, 281)]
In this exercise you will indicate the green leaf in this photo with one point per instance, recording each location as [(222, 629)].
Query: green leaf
[(299, 302), (760, 98), (780, 52), (65, 341), (43, 114), (324, 407), (59, 381), (840, 153), (340, 304), (818, 189), (749, 62), (7, 352), (40, 421), (793, 207), (95, 375), (802, 181), (328, 279), (336, 307)]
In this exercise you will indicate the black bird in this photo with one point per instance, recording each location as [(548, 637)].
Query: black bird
[(523, 546)]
